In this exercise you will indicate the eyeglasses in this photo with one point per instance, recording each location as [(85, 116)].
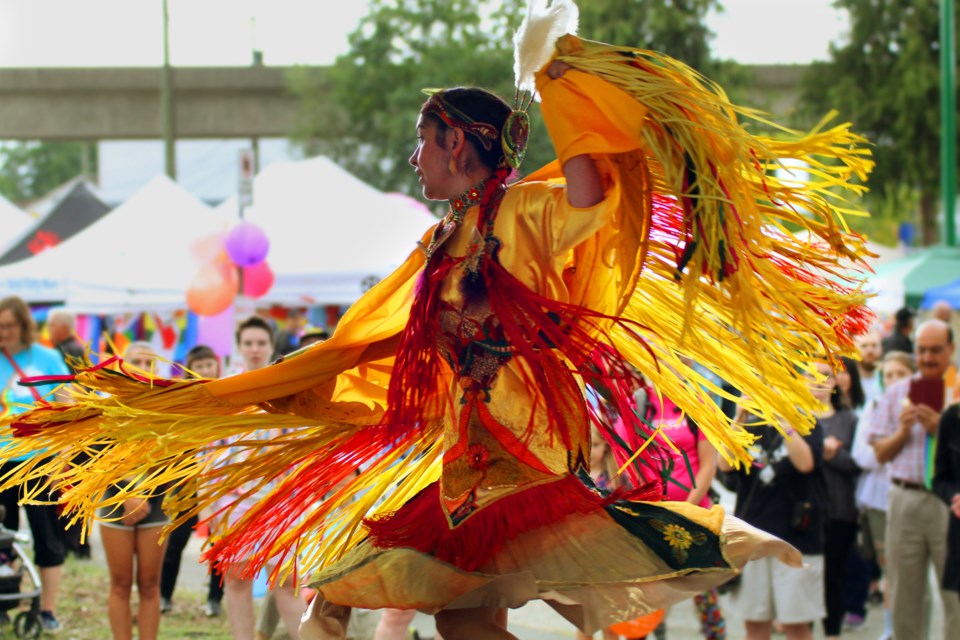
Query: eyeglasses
[(6, 326), (923, 351)]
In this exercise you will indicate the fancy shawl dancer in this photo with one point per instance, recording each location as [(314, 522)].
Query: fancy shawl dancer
[(450, 405)]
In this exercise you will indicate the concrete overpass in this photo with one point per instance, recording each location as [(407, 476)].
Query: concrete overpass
[(222, 102)]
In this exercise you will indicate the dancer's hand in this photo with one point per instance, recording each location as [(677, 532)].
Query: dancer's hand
[(557, 68)]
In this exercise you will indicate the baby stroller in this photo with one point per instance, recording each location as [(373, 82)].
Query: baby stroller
[(14, 564)]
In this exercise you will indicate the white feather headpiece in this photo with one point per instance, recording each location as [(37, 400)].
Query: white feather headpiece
[(534, 40)]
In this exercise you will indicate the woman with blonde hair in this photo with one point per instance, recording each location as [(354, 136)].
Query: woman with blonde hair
[(131, 537)]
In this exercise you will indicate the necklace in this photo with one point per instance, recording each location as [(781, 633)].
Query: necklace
[(470, 197), (455, 214)]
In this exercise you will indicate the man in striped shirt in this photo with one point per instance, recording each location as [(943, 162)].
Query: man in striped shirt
[(902, 433)]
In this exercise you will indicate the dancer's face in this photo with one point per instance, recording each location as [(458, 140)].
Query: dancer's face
[(432, 161)]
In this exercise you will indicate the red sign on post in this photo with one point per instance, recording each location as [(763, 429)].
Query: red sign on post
[(246, 171)]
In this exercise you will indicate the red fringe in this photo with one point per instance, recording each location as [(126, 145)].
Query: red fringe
[(669, 226), (23, 429), (421, 523), (564, 343), (620, 384), (414, 383), (550, 336), (302, 499)]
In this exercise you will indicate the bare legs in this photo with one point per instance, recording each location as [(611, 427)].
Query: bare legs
[(118, 546), (291, 608), (240, 608), (149, 554), (393, 624), (50, 587), (239, 595), (127, 551)]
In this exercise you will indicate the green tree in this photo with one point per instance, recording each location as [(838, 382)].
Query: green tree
[(361, 110), (886, 81), (28, 170), (675, 27)]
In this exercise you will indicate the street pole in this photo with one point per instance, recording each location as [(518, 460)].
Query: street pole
[(166, 101), (948, 124)]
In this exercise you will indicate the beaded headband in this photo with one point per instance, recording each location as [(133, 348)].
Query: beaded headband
[(515, 134)]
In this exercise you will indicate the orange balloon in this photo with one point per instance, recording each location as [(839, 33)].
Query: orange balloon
[(640, 626), (212, 289), (210, 248)]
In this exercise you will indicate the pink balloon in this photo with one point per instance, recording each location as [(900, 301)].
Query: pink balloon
[(217, 332), (257, 280), (213, 289), (247, 244)]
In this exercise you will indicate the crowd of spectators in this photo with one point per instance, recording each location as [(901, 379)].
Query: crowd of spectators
[(870, 496)]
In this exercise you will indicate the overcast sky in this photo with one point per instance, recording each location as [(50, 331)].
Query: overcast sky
[(223, 32)]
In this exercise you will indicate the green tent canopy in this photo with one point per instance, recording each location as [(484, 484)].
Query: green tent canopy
[(905, 281)]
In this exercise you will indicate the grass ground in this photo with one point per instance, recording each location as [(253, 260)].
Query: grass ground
[(82, 608)]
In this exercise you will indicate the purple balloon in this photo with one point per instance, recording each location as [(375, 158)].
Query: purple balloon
[(247, 244)]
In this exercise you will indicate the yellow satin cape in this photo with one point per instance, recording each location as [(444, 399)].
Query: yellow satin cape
[(713, 276)]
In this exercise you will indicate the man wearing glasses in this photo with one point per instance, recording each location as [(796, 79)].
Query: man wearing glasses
[(903, 432)]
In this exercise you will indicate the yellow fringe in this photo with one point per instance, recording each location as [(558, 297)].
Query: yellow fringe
[(753, 328)]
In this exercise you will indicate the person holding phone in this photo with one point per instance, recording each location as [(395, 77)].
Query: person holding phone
[(902, 432)]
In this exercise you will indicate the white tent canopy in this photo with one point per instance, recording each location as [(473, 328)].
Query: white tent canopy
[(13, 223), (331, 235), (137, 257)]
